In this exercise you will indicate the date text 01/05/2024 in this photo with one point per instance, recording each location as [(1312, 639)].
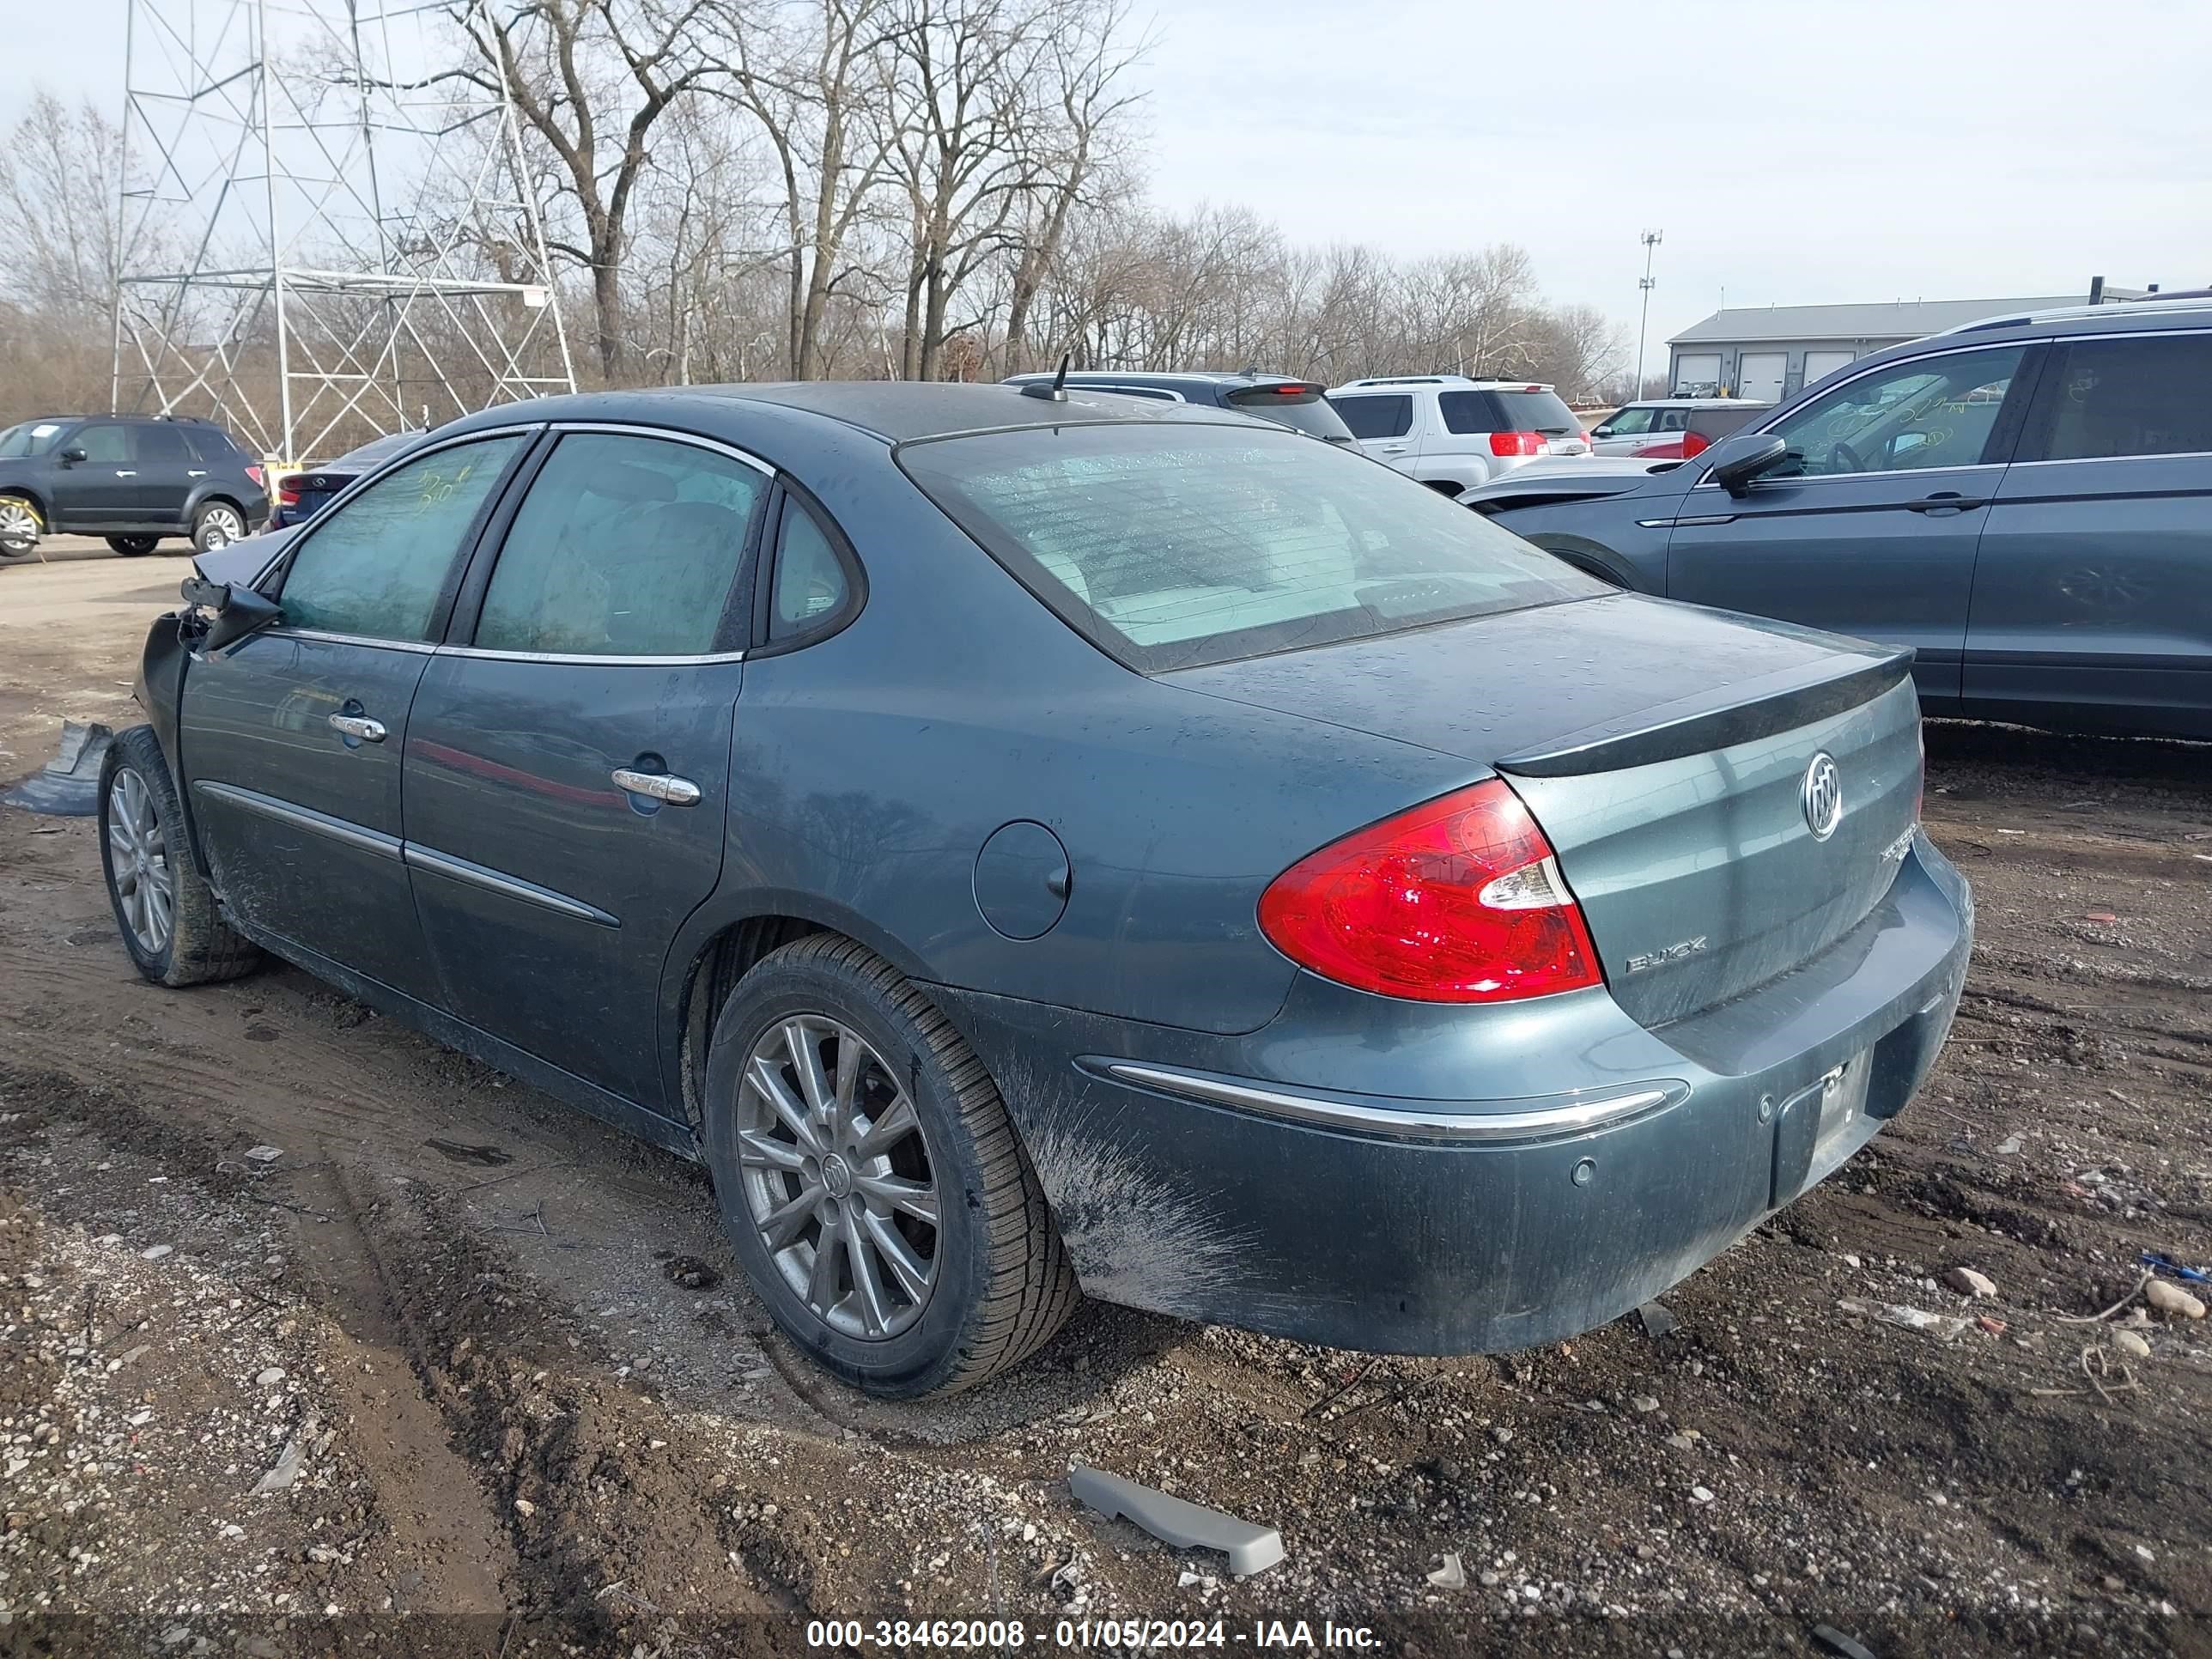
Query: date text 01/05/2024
[(1125, 1635)]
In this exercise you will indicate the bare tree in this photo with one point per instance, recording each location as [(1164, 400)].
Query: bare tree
[(573, 68)]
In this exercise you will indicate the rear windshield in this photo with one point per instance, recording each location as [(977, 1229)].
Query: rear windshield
[(1536, 411), (1171, 546), (1302, 409), (32, 438)]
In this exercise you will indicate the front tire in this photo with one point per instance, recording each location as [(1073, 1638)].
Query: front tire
[(163, 906), (20, 526), (870, 1179), (216, 526), (132, 547)]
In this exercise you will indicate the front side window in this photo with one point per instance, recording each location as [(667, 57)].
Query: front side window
[(1172, 546), (625, 547), (1931, 412), (1376, 417), (376, 566), (104, 445), (2125, 396), (1631, 422)]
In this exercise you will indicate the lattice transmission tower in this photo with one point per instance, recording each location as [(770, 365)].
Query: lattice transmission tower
[(328, 224)]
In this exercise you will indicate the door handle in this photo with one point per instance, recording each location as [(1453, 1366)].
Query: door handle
[(657, 786), (1394, 449), (1947, 500), (196, 472), (121, 473), (358, 727)]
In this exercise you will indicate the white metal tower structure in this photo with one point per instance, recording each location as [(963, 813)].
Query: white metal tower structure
[(329, 228)]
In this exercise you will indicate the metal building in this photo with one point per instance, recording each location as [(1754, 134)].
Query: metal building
[(1771, 352)]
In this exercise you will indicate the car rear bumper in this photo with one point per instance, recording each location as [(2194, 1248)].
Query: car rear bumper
[(1394, 1177)]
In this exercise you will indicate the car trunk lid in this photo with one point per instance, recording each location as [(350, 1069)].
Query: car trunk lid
[(1666, 752)]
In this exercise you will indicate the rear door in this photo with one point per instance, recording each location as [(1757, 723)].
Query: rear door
[(167, 473), (1871, 527), (1382, 424), (290, 741), (2094, 584), (567, 770)]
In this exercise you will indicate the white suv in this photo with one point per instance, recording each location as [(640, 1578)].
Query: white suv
[(1452, 433)]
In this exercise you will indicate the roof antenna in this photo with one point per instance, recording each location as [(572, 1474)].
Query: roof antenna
[(1057, 392)]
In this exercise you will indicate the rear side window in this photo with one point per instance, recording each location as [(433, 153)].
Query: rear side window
[(2105, 399), (375, 567), (809, 587), (1173, 546), (163, 443), (624, 547), (1375, 417), (1468, 411), (212, 443)]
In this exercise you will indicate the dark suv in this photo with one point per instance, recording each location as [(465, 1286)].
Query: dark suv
[(132, 479), (2027, 502), (1298, 404)]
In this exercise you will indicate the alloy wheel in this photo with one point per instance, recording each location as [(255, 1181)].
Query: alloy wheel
[(138, 862), (220, 527), (18, 526), (837, 1176)]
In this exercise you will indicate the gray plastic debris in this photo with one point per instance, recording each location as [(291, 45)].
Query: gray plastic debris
[(264, 1154), (1251, 1549), (1835, 1642), (1451, 1575), (68, 787), (1942, 1326), (1657, 1321), (287, 1468)]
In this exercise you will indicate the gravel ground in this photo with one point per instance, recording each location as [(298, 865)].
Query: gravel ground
[(459, 1372)]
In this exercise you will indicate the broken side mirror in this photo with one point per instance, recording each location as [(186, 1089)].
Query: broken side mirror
[(237, 610)]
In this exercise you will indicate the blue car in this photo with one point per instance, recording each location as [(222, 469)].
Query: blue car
[(1029, 845), (2021, 502)]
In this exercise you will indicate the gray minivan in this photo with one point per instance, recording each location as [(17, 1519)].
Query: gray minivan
[(2026, 501)]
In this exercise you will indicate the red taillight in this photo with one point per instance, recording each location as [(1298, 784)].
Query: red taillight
[(1516, 443), (1459, 900), (288, 490), (254, 473), (1694, 441)]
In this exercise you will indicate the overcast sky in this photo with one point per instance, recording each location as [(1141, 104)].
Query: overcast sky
[(1791, 152)]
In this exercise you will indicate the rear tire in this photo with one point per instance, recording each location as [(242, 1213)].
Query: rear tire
[(216, 526), (132, 547), (825, 1207), (163, 906)]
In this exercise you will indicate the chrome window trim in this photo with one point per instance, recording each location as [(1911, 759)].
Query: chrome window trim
[(418, 647), (300, 818), (666, 435), (418, 857), (1578, 1116), (2108, 460), (1706, 482), (581, 659)]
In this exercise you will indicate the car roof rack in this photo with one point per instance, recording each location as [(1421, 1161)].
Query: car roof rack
[(2193, 299)]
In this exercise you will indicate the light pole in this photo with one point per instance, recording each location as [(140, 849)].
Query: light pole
[(1651, 239)]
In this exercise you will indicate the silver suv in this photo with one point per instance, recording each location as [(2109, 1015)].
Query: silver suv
[(1452, 433)]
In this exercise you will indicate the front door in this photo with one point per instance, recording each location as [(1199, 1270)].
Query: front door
[(2094, 585), (567, 770), (1383, 421), (1870, 527), (291, 740), (101, 490)]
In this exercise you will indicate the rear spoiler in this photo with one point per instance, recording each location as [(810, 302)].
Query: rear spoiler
[(1739, 713)]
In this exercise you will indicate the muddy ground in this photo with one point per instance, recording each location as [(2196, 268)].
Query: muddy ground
[(459, 1354)]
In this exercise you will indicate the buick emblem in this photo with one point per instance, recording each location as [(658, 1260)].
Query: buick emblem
[(1822, 796)]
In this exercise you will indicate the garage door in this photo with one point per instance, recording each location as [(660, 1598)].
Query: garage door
[(1758, 375), (1697, 374), (1819, 363)]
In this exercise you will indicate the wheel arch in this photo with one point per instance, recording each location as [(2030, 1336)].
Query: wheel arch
[(36, 497), (723, 942)]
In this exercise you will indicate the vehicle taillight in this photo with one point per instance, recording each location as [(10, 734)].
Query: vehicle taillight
[(1459, 900), (1516, 443), (288, 490), (1694, 441), (254, 473)]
